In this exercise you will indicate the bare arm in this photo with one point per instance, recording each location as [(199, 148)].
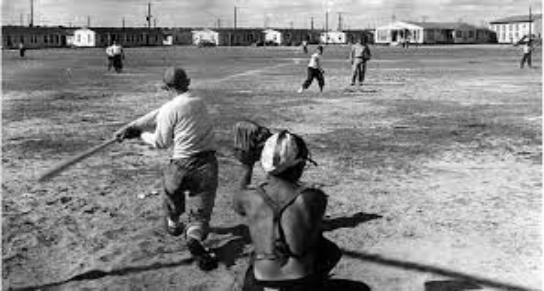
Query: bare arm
[(163, 137), (245, 177), (238, 202)]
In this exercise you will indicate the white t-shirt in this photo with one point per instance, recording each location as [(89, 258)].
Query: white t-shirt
[(182, 123), (526, 49), (117, 49), (109, 51), (314, 61)]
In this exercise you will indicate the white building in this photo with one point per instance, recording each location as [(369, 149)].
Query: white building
[(512, 29), (333, 37), (273, 36), (400, 32), (397, 32), (205, 35), (84, 37)]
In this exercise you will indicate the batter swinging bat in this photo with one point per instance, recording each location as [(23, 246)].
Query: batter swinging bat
[(64, 165)]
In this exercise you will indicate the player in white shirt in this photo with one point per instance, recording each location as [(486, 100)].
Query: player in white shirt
[(190, 179), (314, 71), (527, 52), (118, 56), (109, 53)]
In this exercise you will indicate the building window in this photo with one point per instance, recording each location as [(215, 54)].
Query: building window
[(458, 34), (45, 39), (471, 34), (79, 38)]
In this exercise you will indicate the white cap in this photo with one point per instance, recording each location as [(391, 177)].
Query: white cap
[(280, 152)]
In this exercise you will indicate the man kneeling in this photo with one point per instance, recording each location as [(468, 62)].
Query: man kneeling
[(285, 221)]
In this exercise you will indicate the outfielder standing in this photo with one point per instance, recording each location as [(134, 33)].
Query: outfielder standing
[(22, 49), (191, 176), (359, 55), (314, 71), (109, 53), (527, 52), (118, 56)]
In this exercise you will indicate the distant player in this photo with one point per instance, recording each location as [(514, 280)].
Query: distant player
[(305, 46), (527, 52), (22, 49), (314, 71), (359, 55), (109, 53), (118, 56)]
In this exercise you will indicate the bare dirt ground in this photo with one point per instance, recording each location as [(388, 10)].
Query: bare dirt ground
[(433, 169)]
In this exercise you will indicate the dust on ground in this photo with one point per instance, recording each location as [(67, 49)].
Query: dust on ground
[(433, 169)]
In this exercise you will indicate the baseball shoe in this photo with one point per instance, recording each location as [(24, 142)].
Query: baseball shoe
[(172, 227), (205, 259)]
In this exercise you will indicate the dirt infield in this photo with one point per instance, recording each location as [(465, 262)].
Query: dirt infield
[(433, 169)]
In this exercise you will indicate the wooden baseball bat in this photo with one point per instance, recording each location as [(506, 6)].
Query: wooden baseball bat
[(74, 160)]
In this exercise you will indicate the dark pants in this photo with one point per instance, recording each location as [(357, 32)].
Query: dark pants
[(314, 73), (22, 53), (118, 63), (526, 58), (358, 71), (110, 63), (193, 179)]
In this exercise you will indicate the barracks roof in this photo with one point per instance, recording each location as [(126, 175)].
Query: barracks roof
[(444, 25), (516, 18)]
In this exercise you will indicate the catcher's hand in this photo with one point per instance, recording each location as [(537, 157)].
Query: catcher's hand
[(249, 139), (127, 132)]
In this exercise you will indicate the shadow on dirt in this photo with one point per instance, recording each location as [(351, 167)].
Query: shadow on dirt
[(346, 285), (348, 222), (97, 274), (450, 285), (459, 277)]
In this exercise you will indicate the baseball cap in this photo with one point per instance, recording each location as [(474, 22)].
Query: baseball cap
[(175, 77), (283, 150)]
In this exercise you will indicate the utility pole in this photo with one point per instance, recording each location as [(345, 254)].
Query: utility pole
[(21, 19), (327, 27), (530, 23), (339, 21), (155, 22), (327, 21), (31, 13), (218, 22), (148, 17), (235, 8), (312, 23), (88, 21)]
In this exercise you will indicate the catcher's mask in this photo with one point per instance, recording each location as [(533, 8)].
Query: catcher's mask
[(282, 151)]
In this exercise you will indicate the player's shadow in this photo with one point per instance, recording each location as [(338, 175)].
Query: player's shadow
[(451, 285), (349, 221), (233, 248), (345, 285)]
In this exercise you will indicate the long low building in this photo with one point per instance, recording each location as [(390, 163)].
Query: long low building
[(35, 37), (43, 37), (401, 32)]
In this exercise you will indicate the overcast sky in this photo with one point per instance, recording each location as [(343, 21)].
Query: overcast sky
[(255, 13)]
